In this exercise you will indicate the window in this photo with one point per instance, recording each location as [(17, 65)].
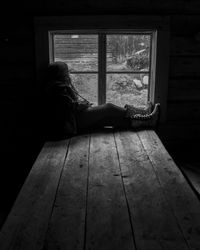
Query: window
[(107, 66), (118, 59)]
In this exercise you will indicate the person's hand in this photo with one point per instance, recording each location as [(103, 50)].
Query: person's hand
[(83, 105), (90, 104)]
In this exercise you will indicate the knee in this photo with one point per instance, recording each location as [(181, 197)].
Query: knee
[(109, 106)]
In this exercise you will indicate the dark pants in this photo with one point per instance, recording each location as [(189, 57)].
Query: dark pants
[(103, 115)]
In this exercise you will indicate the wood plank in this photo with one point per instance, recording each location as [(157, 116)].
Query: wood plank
[(181, 198), (64, 42), (77, 50), (27, 222), (108, 224), (76, 56), (67, 225), (18, 52), (76, 45), (96, 22), (184, 90), (187, 112), (184, 46), (20, 70), (66, 38), (179, 131), (183, 150), (154, 224), (184, 66), (185, 24), (192, 173)]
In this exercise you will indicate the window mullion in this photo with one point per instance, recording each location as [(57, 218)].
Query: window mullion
[(150, 70), (151, 86), (102, 69)]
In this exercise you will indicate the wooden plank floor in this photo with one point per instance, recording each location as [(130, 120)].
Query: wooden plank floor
[(107, 190), (192, 173)]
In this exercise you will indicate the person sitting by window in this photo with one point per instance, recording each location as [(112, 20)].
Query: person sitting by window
[(69, 113)]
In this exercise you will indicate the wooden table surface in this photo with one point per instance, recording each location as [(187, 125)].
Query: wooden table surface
[(106, 190)]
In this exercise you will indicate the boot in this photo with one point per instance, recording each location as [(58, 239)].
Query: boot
[(132, 110), (146, 121)]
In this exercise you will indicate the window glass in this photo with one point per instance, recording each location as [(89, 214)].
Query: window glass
[(86, 85), (127, 88), (79, 51), (127, 69), (128, 52)]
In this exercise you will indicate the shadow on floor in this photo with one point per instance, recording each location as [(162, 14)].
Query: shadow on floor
[(192, 173)]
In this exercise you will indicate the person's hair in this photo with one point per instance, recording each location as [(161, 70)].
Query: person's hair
[(57, 71), (57, 76)]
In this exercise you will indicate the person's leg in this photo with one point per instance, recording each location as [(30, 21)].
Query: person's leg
[(103, 115)]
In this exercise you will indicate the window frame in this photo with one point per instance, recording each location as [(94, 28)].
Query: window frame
[(110, 24), (102, 59)]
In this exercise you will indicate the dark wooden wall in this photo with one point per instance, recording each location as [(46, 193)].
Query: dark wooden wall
[(20, 120)]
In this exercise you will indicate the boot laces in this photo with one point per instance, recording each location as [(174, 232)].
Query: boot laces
[(142, 117)]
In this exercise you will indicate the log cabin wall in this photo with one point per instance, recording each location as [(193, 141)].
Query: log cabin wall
[(182, 131), (20, 120)]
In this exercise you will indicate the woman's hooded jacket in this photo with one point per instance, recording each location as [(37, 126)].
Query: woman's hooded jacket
[(61, 101)]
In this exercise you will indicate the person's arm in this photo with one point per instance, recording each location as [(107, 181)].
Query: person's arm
[(74, 105), (72, 98), (66, 98)]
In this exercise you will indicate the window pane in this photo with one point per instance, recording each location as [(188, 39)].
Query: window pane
[(127, 89), (79, 51), (128, 52), (86, 85)]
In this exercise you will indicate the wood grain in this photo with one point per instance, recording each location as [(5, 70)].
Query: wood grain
[(182, 200), (154, 225), (108, 224), (184, 112), (184, 90), (184, 46), (27, 222), (172, 131), (186, 25), (67, 225), (192, 173), (186, 66), (108, 191)]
